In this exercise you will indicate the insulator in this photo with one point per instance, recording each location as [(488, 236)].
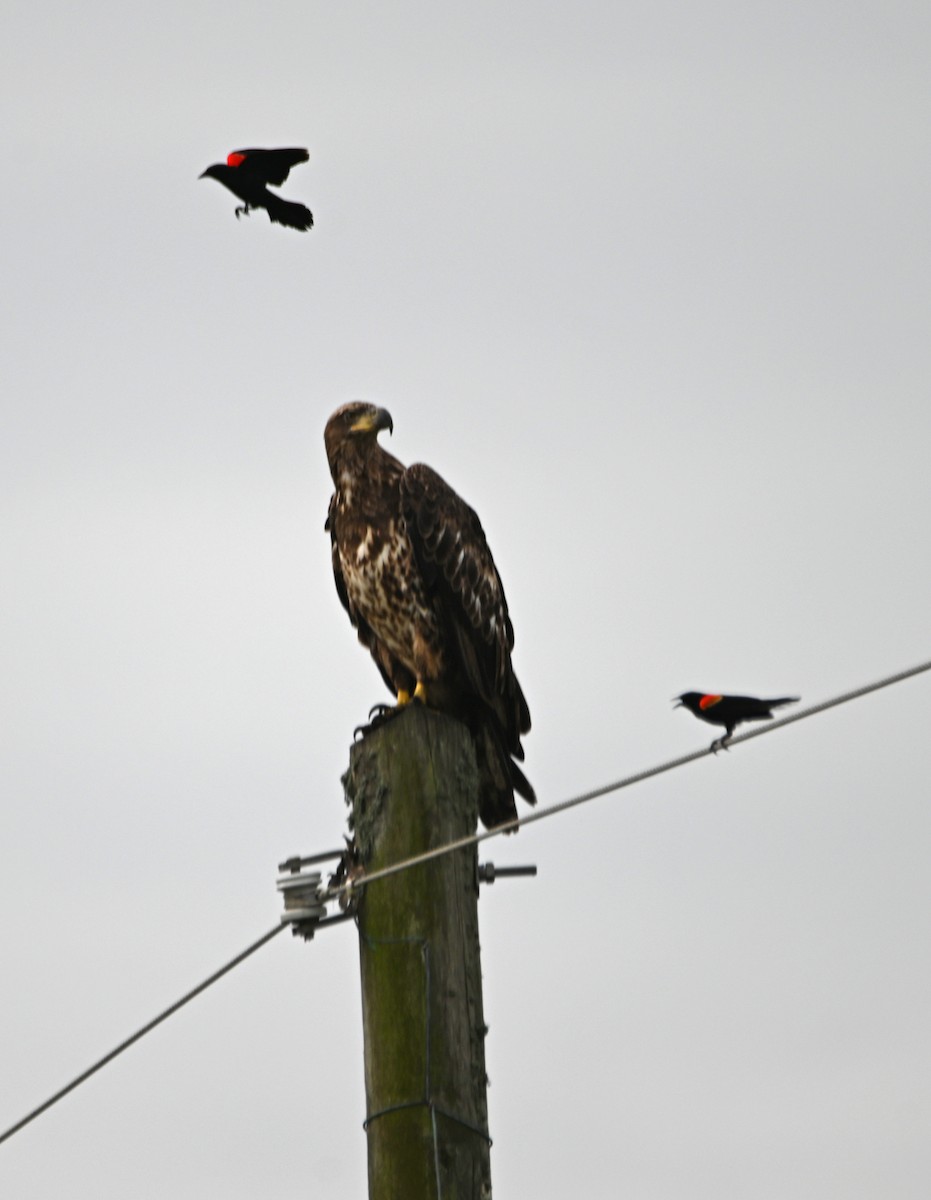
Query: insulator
[(301, 893)]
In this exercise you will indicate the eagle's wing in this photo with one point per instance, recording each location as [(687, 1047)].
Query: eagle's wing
[(453, 556)]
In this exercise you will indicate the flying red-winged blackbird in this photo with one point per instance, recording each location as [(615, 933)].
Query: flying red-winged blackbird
[(248, 172), (729, 711)]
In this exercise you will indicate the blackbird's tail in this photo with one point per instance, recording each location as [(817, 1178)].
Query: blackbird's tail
[(288, 212)]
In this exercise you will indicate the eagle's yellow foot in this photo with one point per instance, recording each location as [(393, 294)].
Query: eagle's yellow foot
[(404, 697), (420, 692)]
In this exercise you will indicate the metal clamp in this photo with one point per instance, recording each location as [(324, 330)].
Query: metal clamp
[(294, 863), (488, 872)]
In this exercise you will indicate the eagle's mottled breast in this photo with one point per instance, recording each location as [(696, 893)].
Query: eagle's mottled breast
[(385, 587)]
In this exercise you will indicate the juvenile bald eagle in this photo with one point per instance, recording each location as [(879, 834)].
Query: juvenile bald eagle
[(415, 574)]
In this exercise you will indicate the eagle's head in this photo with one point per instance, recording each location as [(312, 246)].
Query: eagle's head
[(354, 429)]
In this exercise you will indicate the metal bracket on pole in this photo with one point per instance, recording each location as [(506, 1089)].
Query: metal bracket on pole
[(488, 872), (305, 895), (294, 863)]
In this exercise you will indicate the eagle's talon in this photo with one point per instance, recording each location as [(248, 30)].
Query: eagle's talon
[(378, 715)]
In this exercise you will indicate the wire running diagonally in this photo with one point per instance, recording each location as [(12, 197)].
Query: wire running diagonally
[(140, 1033), (345, 888)]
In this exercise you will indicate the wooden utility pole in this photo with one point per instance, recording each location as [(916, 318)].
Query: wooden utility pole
[(413, 785)]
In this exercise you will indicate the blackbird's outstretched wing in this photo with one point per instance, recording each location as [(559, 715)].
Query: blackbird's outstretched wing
[(272, 166)]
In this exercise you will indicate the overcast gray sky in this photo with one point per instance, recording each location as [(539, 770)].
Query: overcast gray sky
[(649, 284)]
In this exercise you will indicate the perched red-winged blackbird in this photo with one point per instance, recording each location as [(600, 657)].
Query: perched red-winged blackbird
[(247, 174), (730, 711)]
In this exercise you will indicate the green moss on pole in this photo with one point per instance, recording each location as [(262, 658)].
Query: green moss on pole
[(413, 785)]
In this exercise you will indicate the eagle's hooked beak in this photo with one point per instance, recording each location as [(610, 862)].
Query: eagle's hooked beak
[(374, 421)]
